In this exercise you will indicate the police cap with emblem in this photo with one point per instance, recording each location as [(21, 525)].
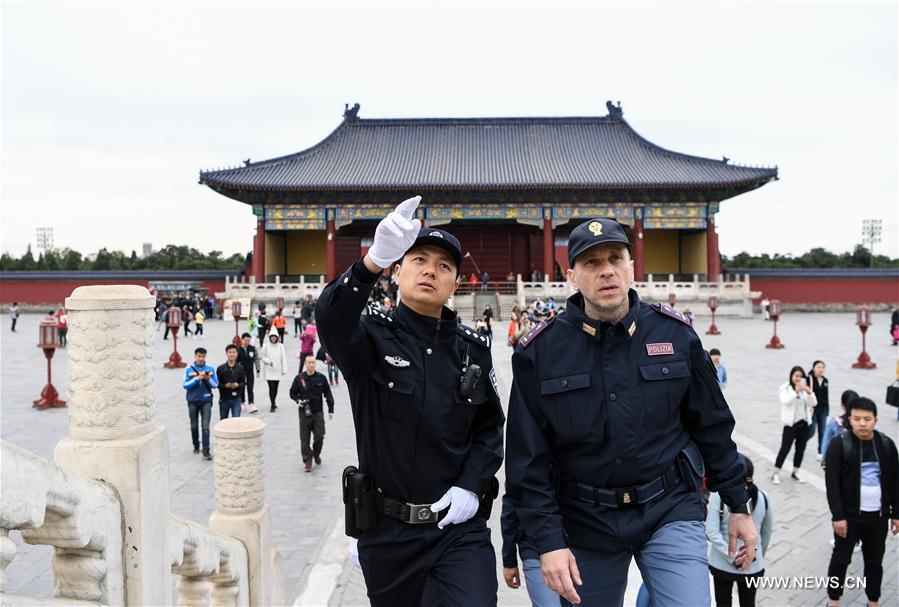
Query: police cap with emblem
[(435, 237), (594, 232)]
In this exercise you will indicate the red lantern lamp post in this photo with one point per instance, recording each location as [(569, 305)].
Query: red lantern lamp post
[(173, 321), (47, 342), (774, 313), (236, 309), (672, 299), (863, 320), (279, 303), (713, 305)]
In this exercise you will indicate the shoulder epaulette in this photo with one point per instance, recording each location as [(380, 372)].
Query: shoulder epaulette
[(533, 333), (671, 313), (379, 317), (473, 336)]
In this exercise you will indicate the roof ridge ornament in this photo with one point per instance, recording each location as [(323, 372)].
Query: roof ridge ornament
[(615, 111), (350, 114)]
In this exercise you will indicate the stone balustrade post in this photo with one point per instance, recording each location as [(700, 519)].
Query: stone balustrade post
[(241, 511), (112, 435)]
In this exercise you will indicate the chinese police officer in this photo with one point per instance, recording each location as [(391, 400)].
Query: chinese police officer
[(622, 398), (428, 420)]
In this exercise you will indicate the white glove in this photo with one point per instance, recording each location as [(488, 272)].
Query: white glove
[(353, 552), (396, 233), (463, 504)]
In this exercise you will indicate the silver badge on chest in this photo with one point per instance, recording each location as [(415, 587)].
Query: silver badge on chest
[(396, 361)]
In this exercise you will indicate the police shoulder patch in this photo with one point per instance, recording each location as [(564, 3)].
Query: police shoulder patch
[(533, 333), (671, 313), (471, 335), (379, 317)]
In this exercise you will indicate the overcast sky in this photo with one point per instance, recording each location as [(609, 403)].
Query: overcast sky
[(109, 110)]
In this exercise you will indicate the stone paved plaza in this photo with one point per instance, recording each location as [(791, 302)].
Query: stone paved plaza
[(306, 508)]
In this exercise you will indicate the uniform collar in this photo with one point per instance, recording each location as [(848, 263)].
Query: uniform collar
[(575, 312), (427, 328)]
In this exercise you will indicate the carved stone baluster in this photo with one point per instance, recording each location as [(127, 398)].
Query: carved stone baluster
[(240, 508), (112, 433), (7, 554), (193, 591)]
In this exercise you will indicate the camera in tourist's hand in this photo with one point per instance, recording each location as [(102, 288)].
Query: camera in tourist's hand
[(307, 409)]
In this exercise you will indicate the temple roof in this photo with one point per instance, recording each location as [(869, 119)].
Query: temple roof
[(421, 154)]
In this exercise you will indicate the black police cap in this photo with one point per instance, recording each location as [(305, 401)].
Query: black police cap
[(440, 238), (592, 233)]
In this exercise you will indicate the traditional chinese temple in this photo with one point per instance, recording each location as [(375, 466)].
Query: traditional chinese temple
[(511, 189)]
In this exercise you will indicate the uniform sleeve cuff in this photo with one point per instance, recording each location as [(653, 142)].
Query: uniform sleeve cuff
[(363, 274), (735, 498), (553, 540), (510, 563)]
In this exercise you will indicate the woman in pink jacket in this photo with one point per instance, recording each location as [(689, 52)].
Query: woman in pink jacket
[(307, 342)]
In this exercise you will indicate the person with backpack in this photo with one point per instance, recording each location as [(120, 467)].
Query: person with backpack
[(837, 423), (863, 496), (724, 573), (199, 382)]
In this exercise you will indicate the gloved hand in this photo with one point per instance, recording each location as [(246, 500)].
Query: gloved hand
[(463, 504), (396, 233), (353, 552)]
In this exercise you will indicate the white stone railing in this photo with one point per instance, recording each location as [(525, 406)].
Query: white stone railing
[(80, 519), (269, 292), (104, 504), (210, 566)]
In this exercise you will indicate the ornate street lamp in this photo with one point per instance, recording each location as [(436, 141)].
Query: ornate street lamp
[(236, 309), (672, 299), (713, 305), (279, 303), (47, 342), (774, 313), (173, 321), (863, 320)]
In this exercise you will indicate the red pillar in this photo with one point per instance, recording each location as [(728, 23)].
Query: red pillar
[(331, 252), (259, 251), (638, 250), (713, 260), (548, 266)]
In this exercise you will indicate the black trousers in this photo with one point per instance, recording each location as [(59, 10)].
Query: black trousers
[(457, 564), (297, 326), (312, 427), (724, 584), (251, 381), (798, 432), (272, 390), (871, 529)]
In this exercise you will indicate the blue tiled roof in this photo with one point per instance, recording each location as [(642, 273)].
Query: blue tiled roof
[(486, 153)]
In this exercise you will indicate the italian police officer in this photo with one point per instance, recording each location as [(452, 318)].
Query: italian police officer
[(428, 421), (622, 398)]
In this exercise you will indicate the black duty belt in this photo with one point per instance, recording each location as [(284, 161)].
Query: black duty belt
[(411, 514), (621, 497)]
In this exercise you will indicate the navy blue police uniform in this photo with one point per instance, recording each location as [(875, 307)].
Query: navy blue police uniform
[(628, 412), (417, 434)]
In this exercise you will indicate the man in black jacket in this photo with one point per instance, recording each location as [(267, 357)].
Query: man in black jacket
[(231, 384), (862, 477), (249, 360), (307, 391)]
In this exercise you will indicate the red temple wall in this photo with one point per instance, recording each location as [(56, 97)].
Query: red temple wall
[(55, 291), (828, 290)]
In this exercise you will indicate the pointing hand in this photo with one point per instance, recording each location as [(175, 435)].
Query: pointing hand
[(395, 234)]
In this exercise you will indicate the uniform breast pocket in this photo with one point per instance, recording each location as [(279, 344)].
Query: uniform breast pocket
[(664, 386), (570, 404), (461, 414), (396, 400)]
